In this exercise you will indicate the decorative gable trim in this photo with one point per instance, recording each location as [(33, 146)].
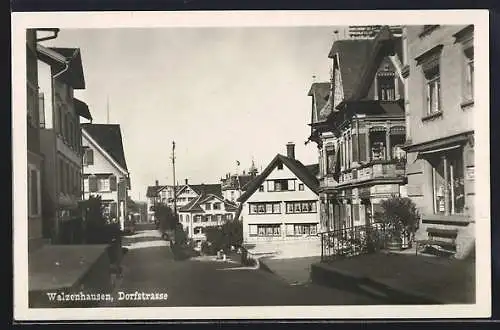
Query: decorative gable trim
[(103, 152)]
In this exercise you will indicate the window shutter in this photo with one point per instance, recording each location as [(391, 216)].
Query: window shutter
[(90, 156), (270, 185), (112, 183), (291, 184), (92, 183), (289, 230)]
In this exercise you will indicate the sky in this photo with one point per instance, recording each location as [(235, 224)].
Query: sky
[(222, 94)]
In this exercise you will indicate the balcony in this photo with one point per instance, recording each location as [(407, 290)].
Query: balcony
[(379, 169), (382, 169)]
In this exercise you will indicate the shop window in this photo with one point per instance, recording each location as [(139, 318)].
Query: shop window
[(448, 182)]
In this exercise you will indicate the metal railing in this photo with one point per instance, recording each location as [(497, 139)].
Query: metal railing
[(353, 241)]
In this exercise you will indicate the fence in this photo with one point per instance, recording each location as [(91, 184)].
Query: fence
[(357, 240)]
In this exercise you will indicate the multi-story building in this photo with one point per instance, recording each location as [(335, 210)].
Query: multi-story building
[(158, 194), (207, 210), (359, 129), (279, 209), (34, 154), (105, 170), (60, 72), (439, 70), (233, 185)]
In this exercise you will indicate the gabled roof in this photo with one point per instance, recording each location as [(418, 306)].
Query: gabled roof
[(320, 93), (293, 165), (195, 204), (237, 181), (152, 191), (206, 189), (352, 55), (192, 206), (109, 138)]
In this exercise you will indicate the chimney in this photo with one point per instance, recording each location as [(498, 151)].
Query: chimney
[(290, 150), (156, 183), (186, 181)]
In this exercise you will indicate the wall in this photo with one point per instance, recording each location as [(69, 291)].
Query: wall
[(454, 119), (45, 84)]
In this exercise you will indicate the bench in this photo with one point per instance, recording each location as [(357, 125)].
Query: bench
[(436, 236)]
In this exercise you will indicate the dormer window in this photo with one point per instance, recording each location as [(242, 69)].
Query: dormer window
[(386, 86), (280, 166)]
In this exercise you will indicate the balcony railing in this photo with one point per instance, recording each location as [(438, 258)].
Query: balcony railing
[(353, 241), (374, 170)]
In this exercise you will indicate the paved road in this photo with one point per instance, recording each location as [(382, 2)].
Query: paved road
[(149, 266)]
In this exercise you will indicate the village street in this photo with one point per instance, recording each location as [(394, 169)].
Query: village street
[(149, 267)]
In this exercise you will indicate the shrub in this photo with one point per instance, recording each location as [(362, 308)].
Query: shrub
[(400, 215), (225, 236)]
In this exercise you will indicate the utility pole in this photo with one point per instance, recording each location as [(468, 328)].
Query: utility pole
[(175, 188)]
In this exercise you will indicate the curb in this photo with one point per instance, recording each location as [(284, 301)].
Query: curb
[(351, 282)]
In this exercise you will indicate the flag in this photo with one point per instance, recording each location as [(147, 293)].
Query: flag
[(237, 163)]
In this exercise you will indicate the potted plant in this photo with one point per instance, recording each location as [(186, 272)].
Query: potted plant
[(401, 218)]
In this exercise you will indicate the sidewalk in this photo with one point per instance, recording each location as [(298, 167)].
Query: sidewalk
[(402, 279), (294, 271)]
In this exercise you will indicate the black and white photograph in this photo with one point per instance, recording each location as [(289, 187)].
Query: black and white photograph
[(233, 165)]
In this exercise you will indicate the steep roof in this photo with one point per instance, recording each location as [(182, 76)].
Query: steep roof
[(313, 169), (320, 93), (205, 189), (153, 191), (192, 206), (382, 45), (352, 55), (294, 165), (195, 204), (109, 137)]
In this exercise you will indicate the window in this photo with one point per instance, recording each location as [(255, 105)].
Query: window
[(469, 74), (205, 219), (103, 184), (386, 86), (198, 230), (448, 182), (88, 157), (209, 218), (41, 109), (267, 230), (301, 186), (216, 206), (197, 218), (433, 90), (219, 217), (330, 159), (34, 193), (280, 165), (301, 207), (281, 185), (302, 229), (265, 208), (232, 196), (229, 216), (261, 188), (208, 206)]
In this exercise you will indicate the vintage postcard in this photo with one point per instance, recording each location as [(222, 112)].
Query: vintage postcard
[(251, 165)]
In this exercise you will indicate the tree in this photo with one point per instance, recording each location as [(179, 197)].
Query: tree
[(132, 206), (166, 218)]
